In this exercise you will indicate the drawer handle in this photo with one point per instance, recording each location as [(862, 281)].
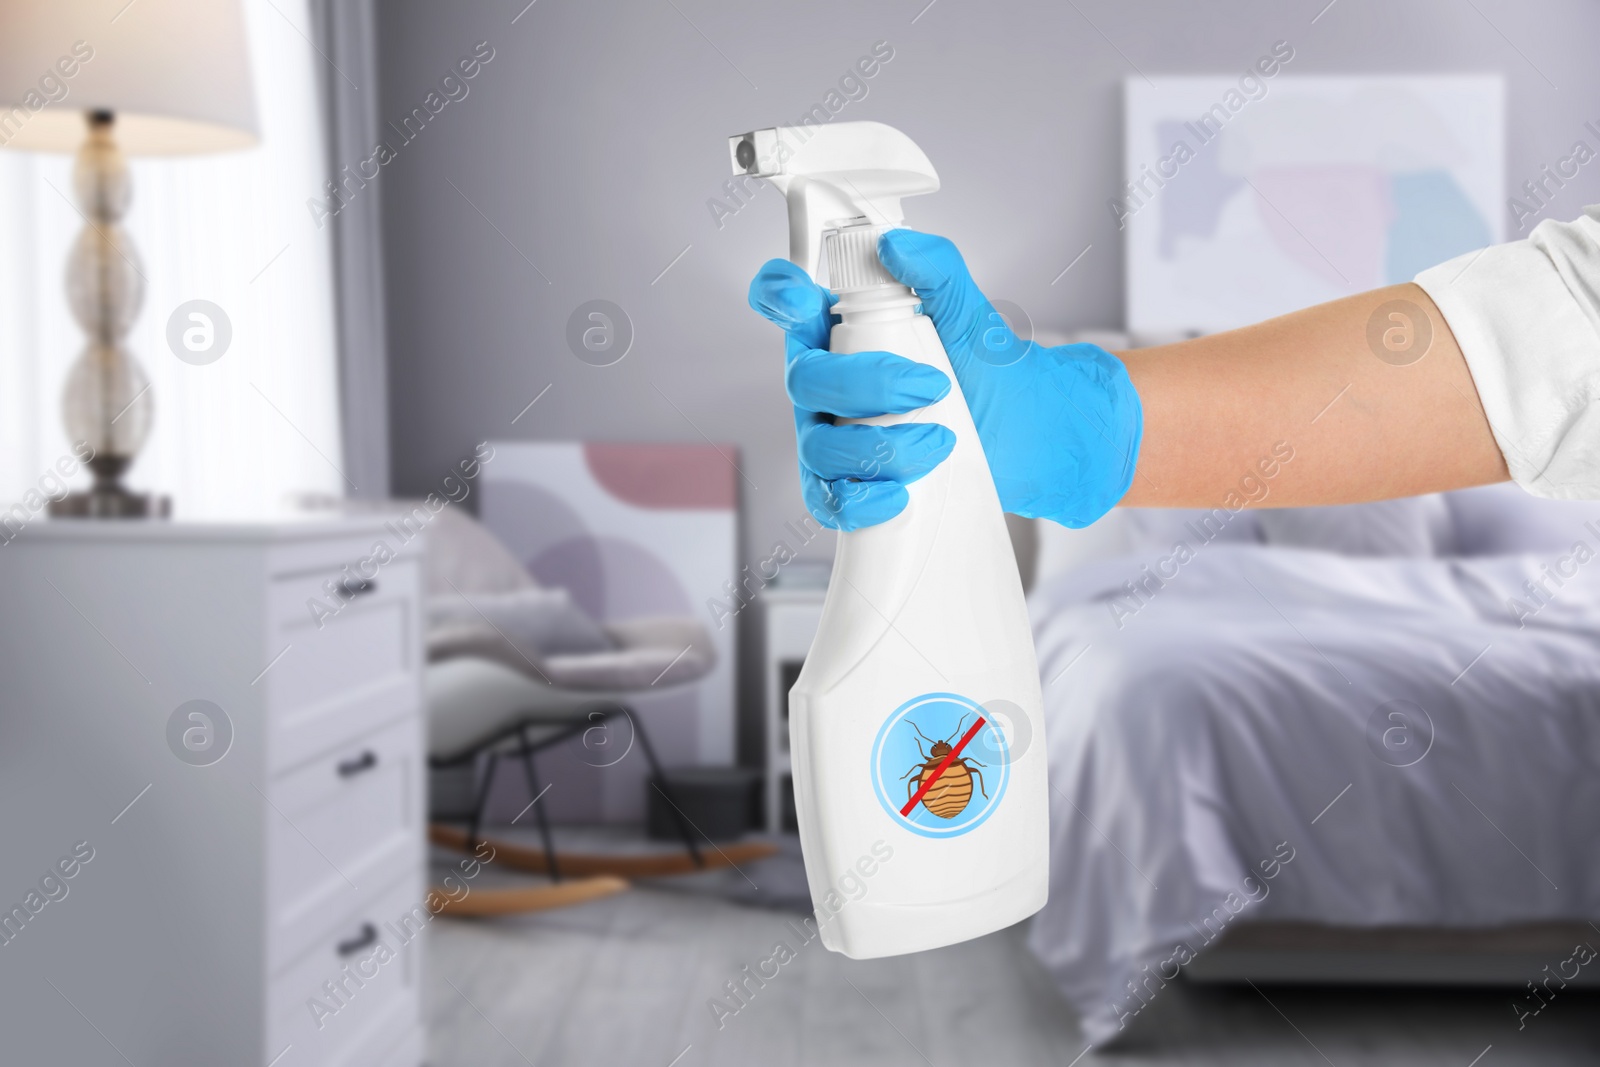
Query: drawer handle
[(356, 765), (351, 588), (365, 939)]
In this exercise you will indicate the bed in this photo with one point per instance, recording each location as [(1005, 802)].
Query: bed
[(1269, 744)]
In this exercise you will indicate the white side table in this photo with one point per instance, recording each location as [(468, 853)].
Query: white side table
[(791, 618), (217, 730)]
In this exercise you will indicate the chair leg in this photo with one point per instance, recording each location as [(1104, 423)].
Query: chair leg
[(664, 789), (539, 813), (478, 809)]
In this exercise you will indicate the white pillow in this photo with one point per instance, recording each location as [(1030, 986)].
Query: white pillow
[(542, 622), (1505, 519), (1124, 530), (1061, 548), (1409, 526), (1158, 529)]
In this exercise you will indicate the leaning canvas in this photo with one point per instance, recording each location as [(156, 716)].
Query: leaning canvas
[(630, 531)]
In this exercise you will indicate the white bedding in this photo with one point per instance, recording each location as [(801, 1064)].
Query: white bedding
[(1202, 742)]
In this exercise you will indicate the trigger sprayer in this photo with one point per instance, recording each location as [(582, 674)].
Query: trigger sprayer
[(916, 725)]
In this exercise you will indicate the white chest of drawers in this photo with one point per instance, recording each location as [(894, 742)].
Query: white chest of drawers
[(225, 898)]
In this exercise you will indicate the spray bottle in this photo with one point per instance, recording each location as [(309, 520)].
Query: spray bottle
[(916, 725)]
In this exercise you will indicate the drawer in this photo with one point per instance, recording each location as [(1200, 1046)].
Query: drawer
[(338, 674), (337, 827), (344, 1002), (316, 598)]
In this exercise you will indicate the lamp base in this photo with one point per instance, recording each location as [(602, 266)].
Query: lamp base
[(108, 499), (111, 504)]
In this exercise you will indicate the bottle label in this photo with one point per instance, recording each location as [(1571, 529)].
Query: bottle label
[(940, 764)]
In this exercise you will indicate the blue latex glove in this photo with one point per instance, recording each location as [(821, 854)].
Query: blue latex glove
[(1060, 426)]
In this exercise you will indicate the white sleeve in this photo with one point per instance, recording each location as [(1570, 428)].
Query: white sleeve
[(1527, 318)]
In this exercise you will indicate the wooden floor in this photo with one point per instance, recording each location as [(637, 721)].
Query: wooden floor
[(626, 981)]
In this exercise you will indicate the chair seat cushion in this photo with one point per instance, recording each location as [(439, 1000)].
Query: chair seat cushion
[(472, 700), (628, 668), (478, 683), (646, 653), (539, 622)]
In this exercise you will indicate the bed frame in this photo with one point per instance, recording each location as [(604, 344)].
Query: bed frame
[(1311, 953)]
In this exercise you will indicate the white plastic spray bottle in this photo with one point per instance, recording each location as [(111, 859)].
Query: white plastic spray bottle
[(916, 726)]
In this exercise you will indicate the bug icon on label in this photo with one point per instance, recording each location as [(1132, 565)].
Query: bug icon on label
[(940, 765)]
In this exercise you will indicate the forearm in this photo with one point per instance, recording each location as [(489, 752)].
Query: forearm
[(1360, 427)]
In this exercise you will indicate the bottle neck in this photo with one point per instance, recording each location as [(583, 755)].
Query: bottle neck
[(867, 291), (884, 303)]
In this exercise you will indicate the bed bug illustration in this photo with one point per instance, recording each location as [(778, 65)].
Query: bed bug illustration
[(949, 796)]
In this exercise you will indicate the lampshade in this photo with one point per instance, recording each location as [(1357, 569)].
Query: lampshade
[(176, 74)]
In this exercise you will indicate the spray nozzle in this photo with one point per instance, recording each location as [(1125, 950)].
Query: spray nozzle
[(855, 171)]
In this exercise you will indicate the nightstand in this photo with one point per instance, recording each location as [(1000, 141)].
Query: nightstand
[(790, 619), (217, 728)]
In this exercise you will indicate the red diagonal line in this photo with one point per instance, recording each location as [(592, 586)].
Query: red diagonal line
[(943, 766)]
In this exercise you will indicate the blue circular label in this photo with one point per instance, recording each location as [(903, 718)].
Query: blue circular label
[(940, 765)]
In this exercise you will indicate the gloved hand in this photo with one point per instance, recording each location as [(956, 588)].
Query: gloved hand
[(850, 476), (1060, 426)]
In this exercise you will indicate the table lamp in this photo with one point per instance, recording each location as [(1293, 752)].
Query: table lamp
[(101, 78)]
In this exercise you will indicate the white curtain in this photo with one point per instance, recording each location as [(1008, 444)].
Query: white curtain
[(258, 427)]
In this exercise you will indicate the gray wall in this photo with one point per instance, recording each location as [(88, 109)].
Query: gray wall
[(595, 137)]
